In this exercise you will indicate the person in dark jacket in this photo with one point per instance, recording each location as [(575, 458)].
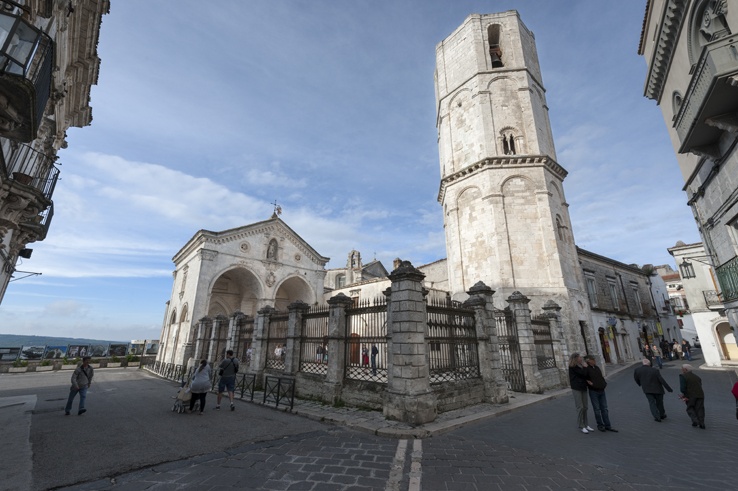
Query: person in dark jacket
[(597, 394), (653, 384), (81, 381), (690, 385), (578, 382)]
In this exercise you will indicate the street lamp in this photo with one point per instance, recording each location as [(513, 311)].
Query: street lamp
[(686, 270)]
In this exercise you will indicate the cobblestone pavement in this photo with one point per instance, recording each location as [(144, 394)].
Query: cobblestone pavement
[(534, 446)]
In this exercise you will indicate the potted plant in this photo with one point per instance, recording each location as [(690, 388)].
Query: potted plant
[(70, 363), (133, 361), (19, 366), (114, 362), (95, 363), (45, 366)]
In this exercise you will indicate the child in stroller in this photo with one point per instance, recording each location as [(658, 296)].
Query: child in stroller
[(183, 397)]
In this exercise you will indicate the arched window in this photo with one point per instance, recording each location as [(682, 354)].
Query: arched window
[(495, 52), (676, 102)]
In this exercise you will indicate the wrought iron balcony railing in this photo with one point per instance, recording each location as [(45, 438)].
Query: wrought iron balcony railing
[(26, 62), (727, 275), (32, 168)]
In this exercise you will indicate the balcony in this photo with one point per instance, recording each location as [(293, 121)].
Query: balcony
[(727, 276), (711, 99), (712, 299), (31, 168), (26, 58)]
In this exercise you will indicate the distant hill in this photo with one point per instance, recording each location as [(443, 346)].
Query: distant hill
[(17, 341)]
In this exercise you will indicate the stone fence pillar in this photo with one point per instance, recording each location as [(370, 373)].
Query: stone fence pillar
[(519, 307), (259, 351), (294, 332), (337, 329), (217, 338), (233, 326), (561, 352), (408, 397), (495, 386)]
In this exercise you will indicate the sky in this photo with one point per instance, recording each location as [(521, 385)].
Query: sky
[(205, 113)]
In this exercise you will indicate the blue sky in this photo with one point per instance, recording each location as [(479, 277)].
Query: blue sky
[(206, 112)]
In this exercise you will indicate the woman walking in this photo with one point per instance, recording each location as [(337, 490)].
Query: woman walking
[(578, 381), (200, 385)]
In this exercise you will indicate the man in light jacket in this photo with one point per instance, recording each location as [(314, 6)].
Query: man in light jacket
[(81, 381)]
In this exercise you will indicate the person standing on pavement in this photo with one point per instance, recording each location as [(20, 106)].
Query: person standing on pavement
[(657, 355), (666, 349), (81, 381), (375, 352), (647, 353), (677, 349), (578, 381), (228, 370), (597, 394), (686, 349), (690, 385), (200, 385), (653, 384)]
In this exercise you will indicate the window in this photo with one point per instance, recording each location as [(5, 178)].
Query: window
[(495, 52), (637, 296), (613, 286), (508, 144), (591, 288), (340, 280)]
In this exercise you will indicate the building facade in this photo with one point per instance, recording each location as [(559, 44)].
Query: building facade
[(704, 310), (689, 46), (48, 63)]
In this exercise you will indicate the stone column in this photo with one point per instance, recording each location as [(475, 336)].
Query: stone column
[(232, 339), (561, 351), (519, 306), (259, 346), (495, 386), (333, 383), (217, 338), (202, 326), (408, 397), (294, 332)]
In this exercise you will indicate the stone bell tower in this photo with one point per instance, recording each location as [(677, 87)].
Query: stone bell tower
[(505, 215)]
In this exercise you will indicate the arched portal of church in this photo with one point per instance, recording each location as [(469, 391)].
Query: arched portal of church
[(236, 289), (291, 290)]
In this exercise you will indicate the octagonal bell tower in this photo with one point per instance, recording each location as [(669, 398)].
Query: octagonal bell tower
[(506, 219)]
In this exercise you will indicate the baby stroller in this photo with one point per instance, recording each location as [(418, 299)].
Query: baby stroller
[(182, 401)]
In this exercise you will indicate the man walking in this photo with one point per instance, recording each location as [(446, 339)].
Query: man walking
[(81, 381), (657, 355), (597, 394), (228, 370), (653, 384), (690, 385)]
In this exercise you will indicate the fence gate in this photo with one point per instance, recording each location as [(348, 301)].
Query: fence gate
[(510, 359)]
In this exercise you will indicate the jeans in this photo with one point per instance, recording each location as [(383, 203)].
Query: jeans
[(658, 362), (580, 402), (599, 405), (72, 394), (656, 405)]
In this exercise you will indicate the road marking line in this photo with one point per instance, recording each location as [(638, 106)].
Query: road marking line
[(416, 471), (398, 465)]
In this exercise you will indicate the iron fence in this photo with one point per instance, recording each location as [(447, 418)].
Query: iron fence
[(451, 338), (314, 340), (543, 343), (243, 338), (366, 341), (510, 358), (277, 340)]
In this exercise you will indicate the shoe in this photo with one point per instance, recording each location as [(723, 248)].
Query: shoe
[(658, 420), (66, 413), (81, 412), (233, 408), (612, 429), (695, 424), (602, 428), (585, 431), (663, 416), (702, 426), (201, 412), (216, 407), (589, 428)]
